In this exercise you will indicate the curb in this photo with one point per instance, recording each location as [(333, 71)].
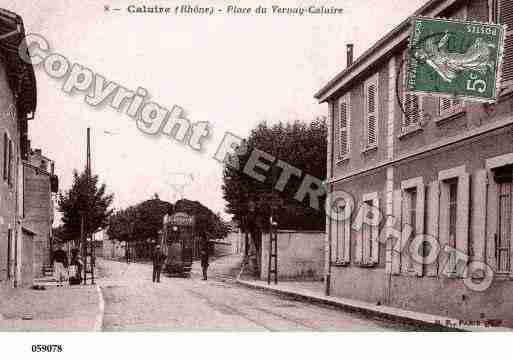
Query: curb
[(349, 307), (101, 310)]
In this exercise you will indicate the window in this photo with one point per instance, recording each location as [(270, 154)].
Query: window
[(412, 194), (449, 106), (367, 250), (412, 203), (340, 237), (371, 112), (343, 126), (454, 219), (453, 212), (503, 238), (503, 12)]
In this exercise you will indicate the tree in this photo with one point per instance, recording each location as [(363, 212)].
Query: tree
[(144, 220), (206, 221), (251, 202), (86, 198)]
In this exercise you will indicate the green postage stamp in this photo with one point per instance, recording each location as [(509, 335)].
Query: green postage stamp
[(457, 59)]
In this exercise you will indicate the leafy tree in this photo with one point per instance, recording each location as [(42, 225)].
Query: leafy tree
[(252, 202), (87, 198), (206, 221), (144, 220)]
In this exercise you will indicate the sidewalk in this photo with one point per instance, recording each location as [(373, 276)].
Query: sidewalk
[(313, 292), (68, 308)]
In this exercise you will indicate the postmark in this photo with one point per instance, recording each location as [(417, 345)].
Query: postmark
[(456, 59)]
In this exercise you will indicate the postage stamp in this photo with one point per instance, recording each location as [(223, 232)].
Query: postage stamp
[(453, 58)]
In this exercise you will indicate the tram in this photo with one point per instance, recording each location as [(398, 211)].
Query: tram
[(178, 243)]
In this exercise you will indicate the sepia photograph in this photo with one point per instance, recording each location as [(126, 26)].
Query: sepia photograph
[(176, 173)]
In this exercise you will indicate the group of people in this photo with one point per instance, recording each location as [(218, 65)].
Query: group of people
[(64, 270), (159, 258)]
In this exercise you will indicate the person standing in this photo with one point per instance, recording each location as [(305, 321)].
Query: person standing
[(60, 265), (204, 262), (78, 265), (158, 261)]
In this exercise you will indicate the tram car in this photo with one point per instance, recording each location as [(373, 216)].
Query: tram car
[(178, 244)]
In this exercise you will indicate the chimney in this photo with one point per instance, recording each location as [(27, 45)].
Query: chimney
[(349, 55)]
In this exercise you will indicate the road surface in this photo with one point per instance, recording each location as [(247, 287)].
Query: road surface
[(134, 303)]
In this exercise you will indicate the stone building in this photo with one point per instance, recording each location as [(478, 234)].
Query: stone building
[(40, 183), (17, 106), (448, 175)]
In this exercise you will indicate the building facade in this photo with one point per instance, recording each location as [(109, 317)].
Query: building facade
[(39, 185), (438, 167), (17, 106)]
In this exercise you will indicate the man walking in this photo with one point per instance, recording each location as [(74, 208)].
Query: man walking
[(204, 262), (158, 261)]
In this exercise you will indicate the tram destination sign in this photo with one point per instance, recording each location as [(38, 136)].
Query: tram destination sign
[(181, 219)]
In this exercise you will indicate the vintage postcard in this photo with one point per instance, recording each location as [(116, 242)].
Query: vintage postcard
[(182, 172)]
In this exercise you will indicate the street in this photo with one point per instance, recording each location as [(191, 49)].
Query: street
[(134, 303)]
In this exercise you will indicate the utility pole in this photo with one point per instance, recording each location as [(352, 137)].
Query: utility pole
[(83, 242), (91, 239)]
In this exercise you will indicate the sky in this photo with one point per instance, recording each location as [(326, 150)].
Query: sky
[(231, 71)]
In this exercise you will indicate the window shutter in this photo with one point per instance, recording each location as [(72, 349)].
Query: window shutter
[(405, 259), (446, 105), (6, 155), (374, 239), (419, 225), (372, 112), (340, 235), (506, 17), (366, 239), (333, 238), (491, 224), (388, 249), (479, 215), (443, 227), (412, 109), (397, 211), (433, 208), (9, 169), (462, 213), (343, 127), (359, 246), (347, 239)]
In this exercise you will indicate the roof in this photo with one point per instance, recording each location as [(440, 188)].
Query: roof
[(21, 75), (381, 49)]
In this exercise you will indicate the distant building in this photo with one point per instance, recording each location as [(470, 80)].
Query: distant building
[(39, 184), (17, 107), (449, 175)]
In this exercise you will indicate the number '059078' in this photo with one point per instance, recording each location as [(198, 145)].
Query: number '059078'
[(47, 348)]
